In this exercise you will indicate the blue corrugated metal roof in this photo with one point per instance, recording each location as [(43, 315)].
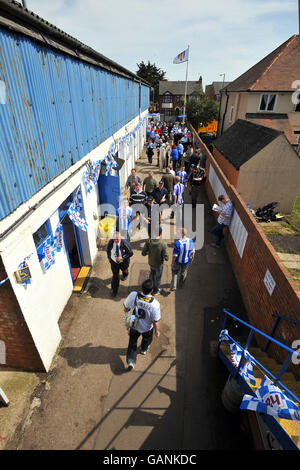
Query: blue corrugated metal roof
[(57, 110)]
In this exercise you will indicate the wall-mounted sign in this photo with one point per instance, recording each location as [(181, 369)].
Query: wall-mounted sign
[(22, 275), (269, 282)]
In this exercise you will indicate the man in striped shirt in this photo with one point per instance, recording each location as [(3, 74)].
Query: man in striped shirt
[(138, 196), (125, 215), (183, 255), (184, 177), (178, 191), (224, 219)]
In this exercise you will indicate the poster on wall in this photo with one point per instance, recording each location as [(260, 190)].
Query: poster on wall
[(269, 282), (22, 275)]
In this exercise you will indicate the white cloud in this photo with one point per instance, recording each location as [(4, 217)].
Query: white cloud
[(224, 36)]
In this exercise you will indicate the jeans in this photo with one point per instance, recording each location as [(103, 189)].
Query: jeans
[(194, 192), (181, 270), (155, 276), (134, 335), (217, 230), (174, 163)]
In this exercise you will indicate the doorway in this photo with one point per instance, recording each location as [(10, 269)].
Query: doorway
[(71, 239)]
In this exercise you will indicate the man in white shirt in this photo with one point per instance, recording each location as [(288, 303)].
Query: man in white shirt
[(119, 253), (147, 310), (224, 219)]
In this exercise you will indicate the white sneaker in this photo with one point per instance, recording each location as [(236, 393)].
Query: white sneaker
[(131, 365), (144, 352)]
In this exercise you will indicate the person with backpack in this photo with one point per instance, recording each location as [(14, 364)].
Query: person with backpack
[(147, 311)]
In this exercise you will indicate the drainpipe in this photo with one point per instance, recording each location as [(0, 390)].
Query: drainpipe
[(223, 119)]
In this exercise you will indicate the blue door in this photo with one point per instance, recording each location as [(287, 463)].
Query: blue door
[(109, 190)]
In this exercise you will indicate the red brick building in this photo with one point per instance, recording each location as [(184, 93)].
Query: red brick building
[(171, 97)]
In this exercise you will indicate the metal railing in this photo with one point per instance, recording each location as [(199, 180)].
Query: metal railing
[(278, 318), (290, 352)]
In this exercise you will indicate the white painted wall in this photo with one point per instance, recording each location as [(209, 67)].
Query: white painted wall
[(42, 302)]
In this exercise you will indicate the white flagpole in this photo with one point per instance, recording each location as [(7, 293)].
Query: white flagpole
[(187, 64)]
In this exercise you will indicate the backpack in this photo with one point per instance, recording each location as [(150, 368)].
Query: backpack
[(130, 319)]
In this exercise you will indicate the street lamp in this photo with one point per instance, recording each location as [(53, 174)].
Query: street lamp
[(223, 75)]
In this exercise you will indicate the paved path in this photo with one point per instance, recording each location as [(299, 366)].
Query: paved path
[(172, 399)]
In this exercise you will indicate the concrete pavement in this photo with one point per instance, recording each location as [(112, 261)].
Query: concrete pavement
[(172, 399)]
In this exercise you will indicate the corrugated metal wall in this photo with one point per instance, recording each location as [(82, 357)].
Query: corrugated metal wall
[(57, 110)]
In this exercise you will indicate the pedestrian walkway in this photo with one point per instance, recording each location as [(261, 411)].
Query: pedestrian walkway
[(172, 399)]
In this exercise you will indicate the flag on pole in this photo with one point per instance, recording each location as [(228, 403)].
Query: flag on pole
[(182, 57)]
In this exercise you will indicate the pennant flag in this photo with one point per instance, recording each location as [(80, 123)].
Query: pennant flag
[(76, 218), (96, 166), (271, 400), (223, 336), (110, 164), (182, 57), (77, 201), (88, 182), (49, 253), (246, 370)]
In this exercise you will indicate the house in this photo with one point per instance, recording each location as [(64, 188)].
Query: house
[(171, 97), (213, 90), (267, 94), (260, 162), (72, 124)]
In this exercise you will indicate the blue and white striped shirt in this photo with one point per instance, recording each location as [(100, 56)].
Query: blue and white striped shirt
[(183, 176), (178, 191), (125, 215), (183, 249)]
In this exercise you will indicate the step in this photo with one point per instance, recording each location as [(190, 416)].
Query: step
[(292, 428), (81, 279)]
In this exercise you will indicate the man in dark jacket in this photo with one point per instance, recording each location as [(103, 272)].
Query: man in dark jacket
[(119, 253)]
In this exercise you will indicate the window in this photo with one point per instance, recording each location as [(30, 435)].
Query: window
[(231, 113), (297, 103), (168, 112), (178, 99), (40, 236), (167, 98), (267, 102), (297, 134)]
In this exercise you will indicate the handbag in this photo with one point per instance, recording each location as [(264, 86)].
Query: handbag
[(130, 319)]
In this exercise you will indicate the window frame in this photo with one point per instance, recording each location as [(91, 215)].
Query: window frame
[(230, 119), (169, 96), (267, 103), (39, 246)]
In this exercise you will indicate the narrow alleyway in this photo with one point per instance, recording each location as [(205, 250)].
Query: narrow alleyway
[(172, 399)]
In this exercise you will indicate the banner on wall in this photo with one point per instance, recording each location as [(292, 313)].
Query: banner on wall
[(49, 253)]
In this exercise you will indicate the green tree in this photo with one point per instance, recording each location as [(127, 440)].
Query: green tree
[(151, 74), (201, 110)]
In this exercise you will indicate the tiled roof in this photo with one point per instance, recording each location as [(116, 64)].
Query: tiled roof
[(243, 140), (276, 71), (178, 88), (278, 124)]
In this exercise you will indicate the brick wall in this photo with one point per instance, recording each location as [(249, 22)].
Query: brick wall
[(20, 349), (258, 256), (229, 171)]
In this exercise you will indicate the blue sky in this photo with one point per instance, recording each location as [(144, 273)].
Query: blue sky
[(225, 36)]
